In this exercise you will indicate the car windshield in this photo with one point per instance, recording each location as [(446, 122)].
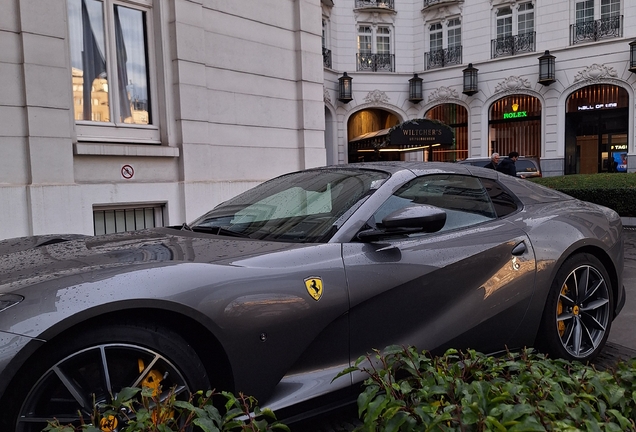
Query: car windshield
[(300, 207)]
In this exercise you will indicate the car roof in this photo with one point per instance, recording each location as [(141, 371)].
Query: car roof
[(417, 168)]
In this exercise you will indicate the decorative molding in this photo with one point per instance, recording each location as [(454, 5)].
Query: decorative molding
[(443, 94), (377, 96), (512, 83), (326, 95), (595, 72)]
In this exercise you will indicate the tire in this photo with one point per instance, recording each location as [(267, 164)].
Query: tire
[(578, 312), (132, 352)]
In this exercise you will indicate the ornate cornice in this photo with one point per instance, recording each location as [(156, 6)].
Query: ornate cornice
[(377, 96), (595, 72), (511, 84), (443, 94)]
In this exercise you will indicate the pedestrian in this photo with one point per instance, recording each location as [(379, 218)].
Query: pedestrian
[(494, 160), (507, 165)]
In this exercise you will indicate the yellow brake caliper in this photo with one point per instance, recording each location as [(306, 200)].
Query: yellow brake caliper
[(153, 381), (561, 324)]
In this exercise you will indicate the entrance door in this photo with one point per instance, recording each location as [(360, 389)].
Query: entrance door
[(596, 130)]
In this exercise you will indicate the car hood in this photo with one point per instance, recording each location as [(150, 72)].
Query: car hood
[(27, 261)]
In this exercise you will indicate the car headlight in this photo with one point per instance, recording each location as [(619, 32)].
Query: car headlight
[(8, 300)]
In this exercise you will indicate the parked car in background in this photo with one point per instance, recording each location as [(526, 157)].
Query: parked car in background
[(276, 291), (527, 167)]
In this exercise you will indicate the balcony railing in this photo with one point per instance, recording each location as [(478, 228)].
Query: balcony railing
[(326, 57), (375, 62), (443, 57), (605, 28), (381, 4), (511, 45)]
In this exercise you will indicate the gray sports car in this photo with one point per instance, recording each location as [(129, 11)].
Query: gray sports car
[(274, 292)]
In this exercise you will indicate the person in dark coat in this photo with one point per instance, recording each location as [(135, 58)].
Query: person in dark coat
[(494, 161), (507, 166)]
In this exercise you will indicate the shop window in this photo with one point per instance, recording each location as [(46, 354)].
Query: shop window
[(456, 117), (597, 130), (515, 125), (111, 64), (109, 220)]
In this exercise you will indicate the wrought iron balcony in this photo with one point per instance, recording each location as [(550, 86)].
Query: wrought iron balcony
[(375, 62), (605, 28), (326, 57), (443, 57), (428, 3), (380, 4), (511, 45)]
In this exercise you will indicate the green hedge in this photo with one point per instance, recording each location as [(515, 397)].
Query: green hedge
[(410, 391), (616, 191)]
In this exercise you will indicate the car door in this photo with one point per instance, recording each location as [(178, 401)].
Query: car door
[(466, 286)]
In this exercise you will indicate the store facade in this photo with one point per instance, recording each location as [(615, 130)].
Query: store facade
[(563, 93)]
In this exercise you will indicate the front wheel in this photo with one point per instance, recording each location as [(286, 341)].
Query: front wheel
[(578, 313), (73, 374)]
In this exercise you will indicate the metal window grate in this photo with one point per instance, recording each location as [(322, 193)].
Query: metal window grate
[(121, 219)]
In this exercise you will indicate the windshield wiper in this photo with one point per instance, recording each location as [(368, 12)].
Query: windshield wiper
[(218, 230)]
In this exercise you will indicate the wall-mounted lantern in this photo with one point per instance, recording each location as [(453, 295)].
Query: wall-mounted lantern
[(344, 88), (546, 69), (632, 56), (470, 80), (415, 89)]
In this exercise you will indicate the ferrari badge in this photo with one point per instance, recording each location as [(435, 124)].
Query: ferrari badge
[(314, 287)]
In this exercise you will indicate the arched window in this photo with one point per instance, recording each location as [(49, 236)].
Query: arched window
[(455, 116), (515, 125)]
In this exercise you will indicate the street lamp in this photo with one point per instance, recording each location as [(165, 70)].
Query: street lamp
[(344, 88), (632, 56), (546, 69), (415, 89), (470, 80)]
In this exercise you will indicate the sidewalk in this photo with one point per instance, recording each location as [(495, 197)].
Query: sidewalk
[(621, 344)]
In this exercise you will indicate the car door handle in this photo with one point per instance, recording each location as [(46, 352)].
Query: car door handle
[(520, 249)]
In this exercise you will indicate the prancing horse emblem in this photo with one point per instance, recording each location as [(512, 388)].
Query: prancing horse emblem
[(314, 287)]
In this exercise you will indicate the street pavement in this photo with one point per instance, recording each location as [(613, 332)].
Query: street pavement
[(622, 337)]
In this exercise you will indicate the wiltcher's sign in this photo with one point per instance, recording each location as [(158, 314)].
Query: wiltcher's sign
[(421, 132)]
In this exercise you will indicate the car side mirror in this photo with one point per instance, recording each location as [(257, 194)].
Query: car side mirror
[(408, 220)]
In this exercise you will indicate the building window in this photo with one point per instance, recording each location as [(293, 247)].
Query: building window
[(595, 20), (374, 49), (109, 220), (111, 66), (436, 37), (514, 29), (444, 50), (504, 22), (454, 33), (326, 52), (525, 18)]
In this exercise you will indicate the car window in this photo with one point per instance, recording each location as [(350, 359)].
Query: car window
[(298, 207), (503, 201), (524, 165), (465, 199)]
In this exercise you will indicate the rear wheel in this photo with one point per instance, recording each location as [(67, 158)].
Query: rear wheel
[(72, 374), (578, 313)]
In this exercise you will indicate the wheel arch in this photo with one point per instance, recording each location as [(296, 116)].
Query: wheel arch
[(607, 262), (198, 336)]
